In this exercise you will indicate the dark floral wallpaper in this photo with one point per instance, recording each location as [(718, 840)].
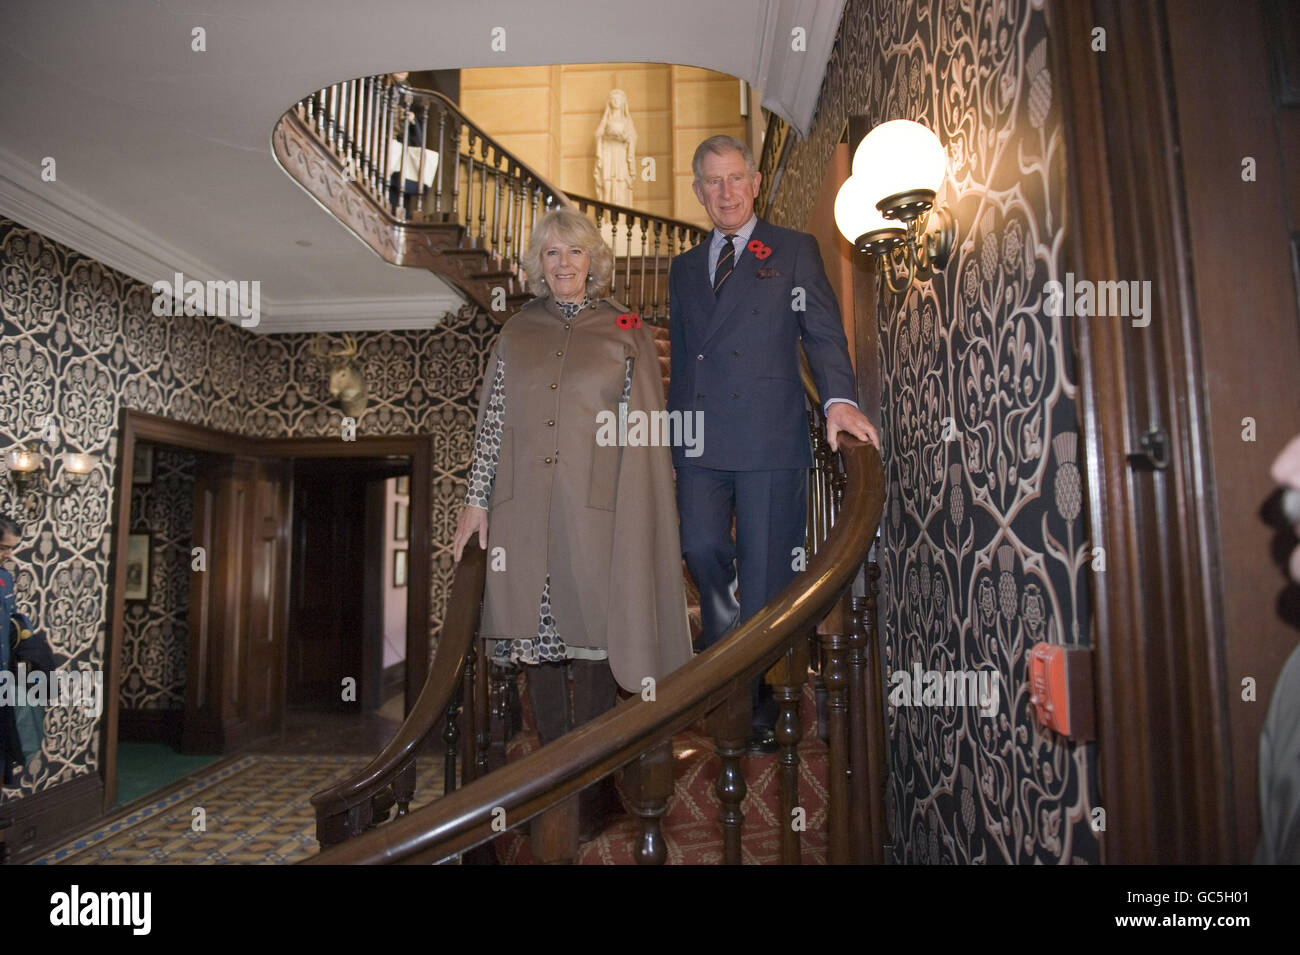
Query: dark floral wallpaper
[(156, 631), (984, 548), (79, 341)]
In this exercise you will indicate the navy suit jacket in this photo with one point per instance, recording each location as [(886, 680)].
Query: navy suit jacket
[(735, 356)]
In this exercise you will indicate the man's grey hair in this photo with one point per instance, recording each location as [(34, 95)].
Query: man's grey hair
[(719, 145)]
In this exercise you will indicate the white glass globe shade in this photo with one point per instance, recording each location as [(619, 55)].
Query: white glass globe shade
[(856, 213), (900, 156)]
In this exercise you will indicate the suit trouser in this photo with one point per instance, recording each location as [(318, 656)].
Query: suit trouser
[(771, 511)]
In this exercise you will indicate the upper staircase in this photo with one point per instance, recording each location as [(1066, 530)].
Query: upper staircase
[(470, 217), (349, 145)]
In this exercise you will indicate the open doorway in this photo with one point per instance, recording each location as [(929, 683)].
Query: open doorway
[(350, 574), (156, 631), (234, 681)]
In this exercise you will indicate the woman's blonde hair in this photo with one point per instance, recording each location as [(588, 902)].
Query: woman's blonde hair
[(576, 229)]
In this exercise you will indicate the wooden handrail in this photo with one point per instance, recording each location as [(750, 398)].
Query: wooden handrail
[(343, 810), (541, 780)]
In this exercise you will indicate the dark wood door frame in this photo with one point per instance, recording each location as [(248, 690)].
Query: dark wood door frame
[(1163, 748), (136, 426)]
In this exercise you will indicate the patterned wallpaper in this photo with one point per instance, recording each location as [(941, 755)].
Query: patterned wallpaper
[(984, 547), (156, 633), (79, 341)]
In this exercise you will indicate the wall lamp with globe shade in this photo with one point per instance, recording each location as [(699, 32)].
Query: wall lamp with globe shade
[(887, 208)]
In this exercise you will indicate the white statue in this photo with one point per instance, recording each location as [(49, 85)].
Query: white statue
[(615, 152)]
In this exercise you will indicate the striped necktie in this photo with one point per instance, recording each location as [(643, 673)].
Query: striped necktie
[(726, 263)]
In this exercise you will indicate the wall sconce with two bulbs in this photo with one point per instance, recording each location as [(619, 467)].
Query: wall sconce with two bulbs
[(887, 207), (31, 472)]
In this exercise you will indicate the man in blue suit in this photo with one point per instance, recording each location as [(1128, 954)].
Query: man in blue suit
[(741, 303)]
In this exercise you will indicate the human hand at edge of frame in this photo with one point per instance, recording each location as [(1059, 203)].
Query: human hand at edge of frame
[(472, 520), (844, 417)]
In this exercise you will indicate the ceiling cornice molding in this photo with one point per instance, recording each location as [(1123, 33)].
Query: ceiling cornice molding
[(69, 217)]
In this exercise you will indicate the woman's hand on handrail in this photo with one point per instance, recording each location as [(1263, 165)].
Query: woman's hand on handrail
[(472, 520)]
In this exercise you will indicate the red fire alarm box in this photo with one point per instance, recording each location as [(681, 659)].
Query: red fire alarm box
[(1060, 689)]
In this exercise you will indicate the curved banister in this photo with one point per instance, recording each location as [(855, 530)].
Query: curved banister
[(523, 789), (460, 624)]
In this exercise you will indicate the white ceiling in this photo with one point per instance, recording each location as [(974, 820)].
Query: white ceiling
[(163, 157)]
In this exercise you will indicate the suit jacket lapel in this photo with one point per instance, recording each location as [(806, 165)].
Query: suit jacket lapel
[(739, 284)]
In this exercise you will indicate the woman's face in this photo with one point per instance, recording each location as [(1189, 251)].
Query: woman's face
[(566, 268)]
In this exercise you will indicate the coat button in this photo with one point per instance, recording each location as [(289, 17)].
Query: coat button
[(554, 386), (548, 460), (753, 311), (566, 326), (551, 423), (736, 354), (559, 354), (699, 358), (734, 395)]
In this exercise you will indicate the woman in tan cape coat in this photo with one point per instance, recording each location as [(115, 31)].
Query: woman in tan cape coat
[(584, 557)]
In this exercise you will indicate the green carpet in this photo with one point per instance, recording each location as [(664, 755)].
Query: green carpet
[(143, 768)]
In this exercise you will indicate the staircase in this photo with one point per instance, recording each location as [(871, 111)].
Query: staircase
[(349, 146), (412, 177)]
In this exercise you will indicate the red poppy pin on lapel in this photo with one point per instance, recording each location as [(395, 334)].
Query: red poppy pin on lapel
[(629, 320), (760, 250)]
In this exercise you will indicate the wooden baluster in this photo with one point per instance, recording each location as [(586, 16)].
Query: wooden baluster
[(482, 716), (482, 197), (494, 235), (659, 229), (386, 95), (403, 117), (469, 706), (451, 737), (404, 788), (641, 303), (508, 249), (500, 717), (787, 678), (469, 188), (442, 160), (455, 181), (424, 155), (835, 675), (729, 725), (372, 135), (649, 782), (859, 800), (627, 261)]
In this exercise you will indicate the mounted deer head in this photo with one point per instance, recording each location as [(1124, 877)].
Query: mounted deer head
[(345, 382)]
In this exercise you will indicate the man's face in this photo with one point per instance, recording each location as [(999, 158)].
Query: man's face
[(7, 544), (726, 189)]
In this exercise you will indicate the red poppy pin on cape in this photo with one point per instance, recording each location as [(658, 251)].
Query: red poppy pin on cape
[(629, 320)]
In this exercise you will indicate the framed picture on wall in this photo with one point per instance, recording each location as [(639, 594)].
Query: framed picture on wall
[(401, 522), (137, 566), (404, 484), (399, 567), (142, 463)]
